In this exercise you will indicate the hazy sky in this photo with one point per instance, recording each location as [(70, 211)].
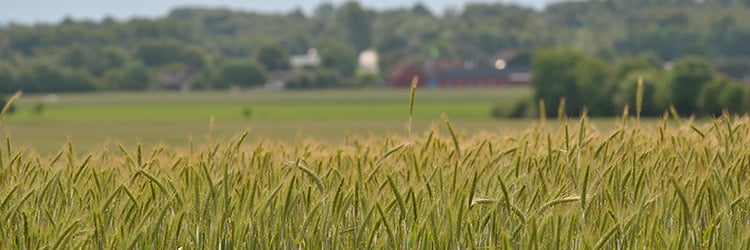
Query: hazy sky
[(31, 11)]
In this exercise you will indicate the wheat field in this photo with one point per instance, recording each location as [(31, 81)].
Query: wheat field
[(560, 185)]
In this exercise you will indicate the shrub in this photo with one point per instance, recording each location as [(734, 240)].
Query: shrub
[(315, 79), (690, 75), (246, 112), (719, 94), (521, 109), (39, 108), (625, 93), (246, 73)]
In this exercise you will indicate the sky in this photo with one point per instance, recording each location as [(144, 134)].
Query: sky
[(53, 11)]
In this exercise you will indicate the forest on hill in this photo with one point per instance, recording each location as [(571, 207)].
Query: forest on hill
[(214, 48)]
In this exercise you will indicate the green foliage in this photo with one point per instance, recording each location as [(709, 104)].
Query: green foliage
[(247, 112), (521, 109), (746, 99), (580, 79), (364, 79), (641, 63), (273, 57), (690, 75), (201, 38), (357, 23), (732, 98), (94, 60), (593, 80), (38, 109), (164, 52), (709, 100), (736, 68), (315, 79), (337, 57), (420, 10), (606, 90), (134, 76), (8, 79), (625, 93), (244, 73), (47, 76), (553, 78)]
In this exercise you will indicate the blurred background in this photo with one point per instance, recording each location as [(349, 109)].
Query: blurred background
[(288, 68)]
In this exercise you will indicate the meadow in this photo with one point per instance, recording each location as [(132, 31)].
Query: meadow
[(175, 119), (669, 183)]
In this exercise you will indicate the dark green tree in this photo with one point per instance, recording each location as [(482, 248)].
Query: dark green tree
[(709, 99), (553, 78), (721, 94), (201, 37), (337, 57), (733, 67), (595, 89), (244, 73), (324, 9), (134, 76), (316, 78), (45, 76), (8, 78), (640, 63), (626, 90), (273, 57), (564, 73), (163, 52), (357, 23), (690, 75), (421, 10), (732, 98), (95, 60)]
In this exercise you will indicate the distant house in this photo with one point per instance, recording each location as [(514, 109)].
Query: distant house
[(368, 62), (484, 77), (278, 80), (311, 59), (176, 80), (456, 73)]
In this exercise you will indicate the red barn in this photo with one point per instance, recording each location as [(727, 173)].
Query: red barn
[(480, 77), (454, 73), (401, 75)]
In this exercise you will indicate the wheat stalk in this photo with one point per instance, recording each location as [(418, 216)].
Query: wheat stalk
[(9, 104), (414, 82), (639, 99)]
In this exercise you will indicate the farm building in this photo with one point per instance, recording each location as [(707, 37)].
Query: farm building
[(452, 73), (401, 74)]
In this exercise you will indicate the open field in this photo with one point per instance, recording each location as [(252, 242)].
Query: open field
[(176, 118), (373, 104), (640, 186), (50, 137)]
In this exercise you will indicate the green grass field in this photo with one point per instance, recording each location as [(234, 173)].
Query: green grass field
[(176, 118), (387, 104)]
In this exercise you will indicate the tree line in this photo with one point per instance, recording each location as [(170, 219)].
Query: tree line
[(214, 48), (567, 81)]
